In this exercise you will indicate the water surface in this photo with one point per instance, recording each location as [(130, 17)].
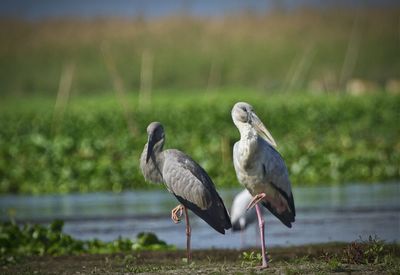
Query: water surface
[(324, 214)]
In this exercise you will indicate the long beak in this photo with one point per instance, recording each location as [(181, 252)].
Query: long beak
[(262, 130), (150, 145)]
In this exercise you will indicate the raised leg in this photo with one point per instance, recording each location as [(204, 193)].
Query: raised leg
[(188, 235), (176, 213), (261, 224), (256, 199)]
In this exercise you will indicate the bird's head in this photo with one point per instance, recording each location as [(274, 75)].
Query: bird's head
[(244, 117), (156, 136)]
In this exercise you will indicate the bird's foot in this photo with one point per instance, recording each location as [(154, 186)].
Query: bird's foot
[(176, 213), (256, 199), (261, 267)]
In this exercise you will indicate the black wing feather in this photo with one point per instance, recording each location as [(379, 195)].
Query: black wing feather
[(286, 217)]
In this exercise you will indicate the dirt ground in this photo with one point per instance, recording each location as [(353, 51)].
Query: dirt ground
[(311, 259)]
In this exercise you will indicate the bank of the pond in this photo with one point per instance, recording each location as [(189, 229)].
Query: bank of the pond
[(333, 258), (89, 147)]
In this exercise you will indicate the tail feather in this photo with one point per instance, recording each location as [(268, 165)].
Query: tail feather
[(286, 217)]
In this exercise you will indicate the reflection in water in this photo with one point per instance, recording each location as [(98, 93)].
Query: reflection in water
[(336, 213)]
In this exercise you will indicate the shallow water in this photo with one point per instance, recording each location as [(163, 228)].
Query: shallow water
[(334, 213)]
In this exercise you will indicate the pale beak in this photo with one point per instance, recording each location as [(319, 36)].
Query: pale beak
[(262, 130)]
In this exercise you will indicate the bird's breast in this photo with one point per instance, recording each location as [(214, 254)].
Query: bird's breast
[(249, 175), (250, 171)]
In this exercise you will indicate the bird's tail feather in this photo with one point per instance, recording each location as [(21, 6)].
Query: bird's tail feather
[(219, 222), (285, 217)]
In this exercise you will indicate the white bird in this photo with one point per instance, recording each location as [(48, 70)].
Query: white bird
[(240, 216), (186, 180), (261, 169)]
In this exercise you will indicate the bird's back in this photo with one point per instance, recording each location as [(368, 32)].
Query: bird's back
[(192, 186)]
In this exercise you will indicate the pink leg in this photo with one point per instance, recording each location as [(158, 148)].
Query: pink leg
[(261, 223), (188, 234)]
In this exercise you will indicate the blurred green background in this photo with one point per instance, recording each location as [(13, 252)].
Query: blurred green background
[(78, 93)]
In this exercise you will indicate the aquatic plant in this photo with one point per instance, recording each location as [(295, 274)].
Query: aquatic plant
[(35, 239), (323, 139)]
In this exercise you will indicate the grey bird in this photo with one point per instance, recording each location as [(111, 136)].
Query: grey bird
[(186, 180), (261, 169)]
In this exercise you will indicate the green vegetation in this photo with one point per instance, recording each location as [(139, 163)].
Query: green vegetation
[(88, 147), (280, 50), (250, 258), (371, 251), (16, 241), (323, 139)]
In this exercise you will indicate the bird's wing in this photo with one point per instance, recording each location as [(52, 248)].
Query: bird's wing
[(276, 174), (192, 186)]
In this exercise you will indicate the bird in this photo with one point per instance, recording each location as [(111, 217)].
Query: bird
[(186, 180), (240, 217), (261, 170)]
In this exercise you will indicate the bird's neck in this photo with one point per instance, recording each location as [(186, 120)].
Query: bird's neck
[(158, 157), (248, 141), (157, 150), (153, 170)]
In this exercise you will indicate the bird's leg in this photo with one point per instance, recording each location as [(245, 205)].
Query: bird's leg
[(261, 223), (188, 234), (241, 237), (176, 213), (256, 199)]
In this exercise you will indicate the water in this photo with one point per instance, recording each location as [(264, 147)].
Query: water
[(324, 214)]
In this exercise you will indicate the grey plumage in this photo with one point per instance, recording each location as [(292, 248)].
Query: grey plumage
[(184, 178), (259, 166)]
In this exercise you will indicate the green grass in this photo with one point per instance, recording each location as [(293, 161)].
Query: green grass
[(323, 139)]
